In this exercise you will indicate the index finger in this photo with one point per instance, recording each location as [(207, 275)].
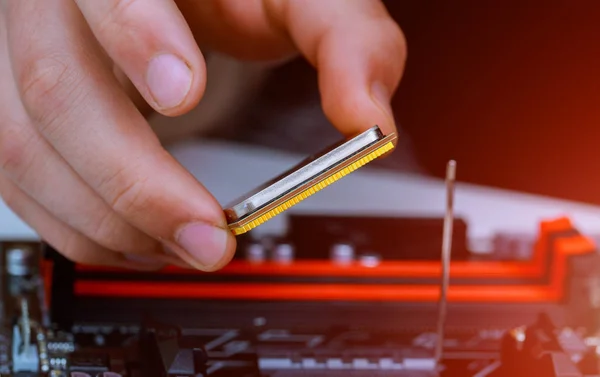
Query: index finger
[(357, 48), (164, 62), (359, 52), (78, 106)]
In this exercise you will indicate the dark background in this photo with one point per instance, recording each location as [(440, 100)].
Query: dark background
[(509, 89)]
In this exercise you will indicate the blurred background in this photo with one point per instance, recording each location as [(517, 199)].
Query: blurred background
[(509, 89)]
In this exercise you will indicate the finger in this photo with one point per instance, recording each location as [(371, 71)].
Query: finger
[(67, 241), (359, 52), (357, 48), (242, 29), (56, 187), (33, 165), (151, 42), (92, 124), (132, 92)]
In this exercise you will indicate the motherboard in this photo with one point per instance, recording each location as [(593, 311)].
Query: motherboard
[(335, 296)]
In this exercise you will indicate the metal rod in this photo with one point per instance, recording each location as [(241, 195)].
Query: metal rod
[(25, 325), (445, 258)]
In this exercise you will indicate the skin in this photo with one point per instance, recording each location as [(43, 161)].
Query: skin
[(78, 160)]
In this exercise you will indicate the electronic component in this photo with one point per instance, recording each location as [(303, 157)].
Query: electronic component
[(342, 253), (25, 356), (349, 311), (21, 259), (369, 259), (308, 177), (329, 298), (256, 253), (393, 238), (283, 253), (559, 250)]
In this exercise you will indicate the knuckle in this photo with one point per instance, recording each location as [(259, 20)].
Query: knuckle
[(14, 150), (113, 233), (119, 11), (127, 192), (79, 249), (9, 194), (69, 246), (106, 231), (132, 199), (119, 20), (393, 44), (397, 40), (49, 86), (350, 105)]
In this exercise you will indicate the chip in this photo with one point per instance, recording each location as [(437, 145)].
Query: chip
[(308, 177)]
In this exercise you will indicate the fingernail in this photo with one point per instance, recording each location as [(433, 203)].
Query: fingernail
[(204, 243), (169, 80), (383, 97)]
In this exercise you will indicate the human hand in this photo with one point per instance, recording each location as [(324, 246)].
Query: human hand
[(79, 162)]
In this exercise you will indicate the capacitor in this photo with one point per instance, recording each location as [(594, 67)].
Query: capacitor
[(370, 259), (342, 253), (256, 253), (21, 260), (283, 253)]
